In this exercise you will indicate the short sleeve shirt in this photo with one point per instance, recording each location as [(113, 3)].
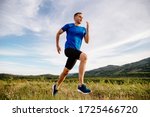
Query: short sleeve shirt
[(74, 35)]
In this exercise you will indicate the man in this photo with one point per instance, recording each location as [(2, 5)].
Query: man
[(75, 34)]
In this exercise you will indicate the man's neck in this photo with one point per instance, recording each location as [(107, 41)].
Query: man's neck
[(77, 24)]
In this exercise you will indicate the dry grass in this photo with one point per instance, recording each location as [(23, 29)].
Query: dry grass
[(102, 89)]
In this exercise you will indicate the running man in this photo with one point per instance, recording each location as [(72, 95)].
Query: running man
[(75, 34)]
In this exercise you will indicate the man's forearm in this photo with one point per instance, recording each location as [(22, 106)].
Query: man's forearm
[(87, 36), (87, 33), (57, 39)]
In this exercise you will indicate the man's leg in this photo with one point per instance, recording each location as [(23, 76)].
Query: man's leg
[(62, 77), (82, 87), (83, 60)]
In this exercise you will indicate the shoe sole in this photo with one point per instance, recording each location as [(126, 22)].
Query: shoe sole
[(53, 90), (83, 92)]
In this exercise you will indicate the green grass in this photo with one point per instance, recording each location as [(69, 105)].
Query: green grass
[(102, 89)]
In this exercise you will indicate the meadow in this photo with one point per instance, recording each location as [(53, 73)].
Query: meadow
[(102, 89)]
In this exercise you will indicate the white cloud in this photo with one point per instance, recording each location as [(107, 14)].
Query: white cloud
[(10, 52), (140, 36), (18, 15), (114, 26), (120, 53)]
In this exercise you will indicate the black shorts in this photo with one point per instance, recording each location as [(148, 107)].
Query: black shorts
[(73, 55)]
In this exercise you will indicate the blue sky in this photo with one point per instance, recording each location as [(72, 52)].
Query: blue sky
[(119, 33)]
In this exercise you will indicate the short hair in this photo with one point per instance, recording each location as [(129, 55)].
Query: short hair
[(77, 13)]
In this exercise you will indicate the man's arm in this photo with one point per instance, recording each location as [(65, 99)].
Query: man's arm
[(57, 40), (86, 37)]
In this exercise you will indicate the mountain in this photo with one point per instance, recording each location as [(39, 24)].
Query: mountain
[(137, 69), (140, 68), (4, 76)]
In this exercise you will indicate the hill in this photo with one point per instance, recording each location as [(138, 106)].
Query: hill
[(136, 69), (140, 69), (12, 76)]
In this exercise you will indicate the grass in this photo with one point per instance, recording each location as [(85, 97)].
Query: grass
[(102, 89)]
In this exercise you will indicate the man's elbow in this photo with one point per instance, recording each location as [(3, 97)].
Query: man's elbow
[(59, 32)]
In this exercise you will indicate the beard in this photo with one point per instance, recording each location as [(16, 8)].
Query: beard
[(79, 22)]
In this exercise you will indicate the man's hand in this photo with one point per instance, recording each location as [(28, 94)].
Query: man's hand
[(58, 49)]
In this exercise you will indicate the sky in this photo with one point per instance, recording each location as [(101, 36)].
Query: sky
[(119, 33)]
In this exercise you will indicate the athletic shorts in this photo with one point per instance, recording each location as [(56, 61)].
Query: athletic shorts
[(73, 55)]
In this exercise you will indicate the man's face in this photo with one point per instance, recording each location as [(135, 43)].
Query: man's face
[(78, 18)]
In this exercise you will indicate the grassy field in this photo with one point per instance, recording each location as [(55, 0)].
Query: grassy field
[(102, 89)]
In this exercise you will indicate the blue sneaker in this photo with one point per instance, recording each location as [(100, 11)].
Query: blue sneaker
[(83, 89), (54, 90)]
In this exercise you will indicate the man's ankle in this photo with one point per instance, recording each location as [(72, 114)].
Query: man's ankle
[(80, 84), (57, 87)]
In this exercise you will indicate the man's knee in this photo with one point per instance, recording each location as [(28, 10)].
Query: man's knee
[(83, 57)]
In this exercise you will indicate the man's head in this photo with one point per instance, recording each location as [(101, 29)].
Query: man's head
[(78, 17)]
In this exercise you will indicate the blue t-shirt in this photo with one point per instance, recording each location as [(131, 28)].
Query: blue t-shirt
[(74, 36)]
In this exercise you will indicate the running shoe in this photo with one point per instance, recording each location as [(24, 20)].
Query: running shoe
[(54, 90), (83, 89)]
